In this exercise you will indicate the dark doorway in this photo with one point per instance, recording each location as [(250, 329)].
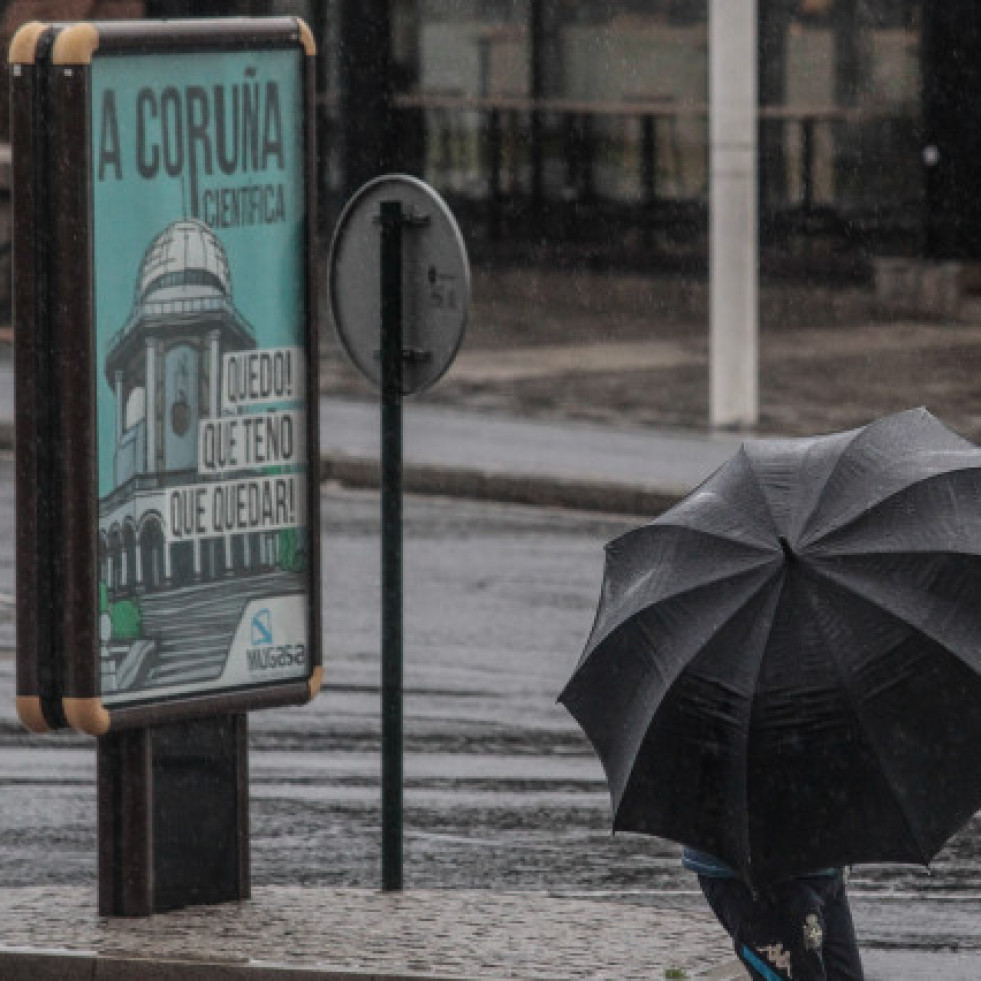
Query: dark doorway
[(182, 563), (951, 54), (152, 546)]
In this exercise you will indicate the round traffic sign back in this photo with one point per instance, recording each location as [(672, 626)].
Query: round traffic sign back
[(435, 281)]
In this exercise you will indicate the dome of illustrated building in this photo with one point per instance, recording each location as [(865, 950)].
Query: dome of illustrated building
[(185, 261), (182, 294)]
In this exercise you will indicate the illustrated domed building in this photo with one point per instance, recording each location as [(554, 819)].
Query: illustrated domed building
[(164, 366)]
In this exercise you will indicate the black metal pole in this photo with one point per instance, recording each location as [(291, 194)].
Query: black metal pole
[(537, 52), (807, 165), (365, 65), (391, 560), (494, 148)]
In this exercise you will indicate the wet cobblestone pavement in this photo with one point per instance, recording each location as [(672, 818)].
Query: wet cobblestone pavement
[(441, 933)]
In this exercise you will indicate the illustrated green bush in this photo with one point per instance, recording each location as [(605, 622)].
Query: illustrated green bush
[(127, 621), (291, 555)]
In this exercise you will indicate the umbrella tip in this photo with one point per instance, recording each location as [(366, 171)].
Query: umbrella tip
[(788, 552)]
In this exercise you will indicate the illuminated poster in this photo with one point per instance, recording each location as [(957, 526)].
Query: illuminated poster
[(199, 232)]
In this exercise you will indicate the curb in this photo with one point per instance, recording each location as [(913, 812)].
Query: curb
[(18, 964), (580, 494), (67, 965), (540, 490)]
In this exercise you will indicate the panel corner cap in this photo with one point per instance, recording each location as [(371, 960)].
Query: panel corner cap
[(76, 45), (30, 713), (23, 45), (87, 715), (306, 37)]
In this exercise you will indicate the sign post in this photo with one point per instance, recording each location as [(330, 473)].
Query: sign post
[(165, 219), (391, 219), (398, 274)]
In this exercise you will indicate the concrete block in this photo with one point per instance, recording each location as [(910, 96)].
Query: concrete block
[(922, 288)]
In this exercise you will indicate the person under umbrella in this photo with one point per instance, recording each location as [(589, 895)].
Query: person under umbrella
[(785, 668), (799, 929)]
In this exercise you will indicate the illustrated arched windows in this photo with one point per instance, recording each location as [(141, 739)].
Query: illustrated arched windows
[(152, 552)]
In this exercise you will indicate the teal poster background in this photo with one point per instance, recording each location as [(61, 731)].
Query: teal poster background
[(266, 259), (199, 228)]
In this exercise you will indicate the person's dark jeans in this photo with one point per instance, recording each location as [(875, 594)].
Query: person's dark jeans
[(800, 929)]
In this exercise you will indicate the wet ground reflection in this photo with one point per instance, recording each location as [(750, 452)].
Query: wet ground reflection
[(501, 789)]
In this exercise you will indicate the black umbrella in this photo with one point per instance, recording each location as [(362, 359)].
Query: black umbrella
[(785, 668)]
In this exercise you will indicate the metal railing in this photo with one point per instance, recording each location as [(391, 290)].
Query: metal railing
[(508, 163)]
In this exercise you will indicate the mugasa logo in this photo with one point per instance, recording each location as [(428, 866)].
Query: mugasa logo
[(265, 654), (262, 631)]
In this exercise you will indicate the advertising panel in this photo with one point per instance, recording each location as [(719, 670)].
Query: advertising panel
[(184, 324)]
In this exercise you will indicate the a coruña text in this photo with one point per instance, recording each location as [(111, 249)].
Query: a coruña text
[(195, 132)]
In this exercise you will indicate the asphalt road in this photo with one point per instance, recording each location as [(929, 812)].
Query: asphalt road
[(502, 790), (498, 604)]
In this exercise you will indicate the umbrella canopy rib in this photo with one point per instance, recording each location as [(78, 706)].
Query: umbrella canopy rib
[(755, 652), (845, 681), (884, 457), (673, 790), (729, 534), (677, 566), (760, 603), (616, 690), (936, 513), (710, 509), (790, 476), (950, 624)]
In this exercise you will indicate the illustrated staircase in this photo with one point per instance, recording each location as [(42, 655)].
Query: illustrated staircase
[(193, 626)]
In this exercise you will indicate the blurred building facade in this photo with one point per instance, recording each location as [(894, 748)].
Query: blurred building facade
[(583, 123), (586, 121)]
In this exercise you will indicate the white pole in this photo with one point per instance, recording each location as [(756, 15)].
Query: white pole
[(733, 247)]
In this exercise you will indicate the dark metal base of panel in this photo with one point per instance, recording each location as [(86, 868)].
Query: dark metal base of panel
[(173, 805)]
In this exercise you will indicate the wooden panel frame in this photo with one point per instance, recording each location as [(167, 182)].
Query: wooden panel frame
[(40, 655)]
